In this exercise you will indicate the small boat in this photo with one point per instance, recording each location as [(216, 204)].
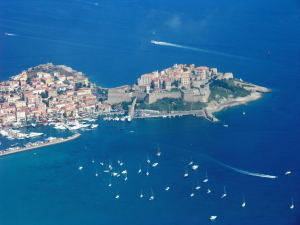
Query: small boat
[(126, 178), (154, 164), (96, 175), (109, 185), (101, 163), (106, 171), (194, 167), (140, 168), (124, 171), (186, 174), (121, 162), (198, 187), (225, 125), (268, 53), (191, 162), (148, 160), (167, 188), (287, 173), (213, 217), (93, 159), (158, 151), (244, 203), (244, 111), (141, 195), (80, 167), (206, 178), (208, 191), (117, 196), (292, 205), (225, 194), (147, 173), (152, 195)]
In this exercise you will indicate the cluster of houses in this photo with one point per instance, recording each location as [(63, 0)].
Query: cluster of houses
[(180, 75), (46, 96)]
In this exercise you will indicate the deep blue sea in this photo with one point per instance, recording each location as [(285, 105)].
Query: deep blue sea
[(110, 43)]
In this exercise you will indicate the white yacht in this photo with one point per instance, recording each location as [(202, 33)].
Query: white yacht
[(292, 205), (94, 125), (109, 185), (154, 164), (213, 217), (80, 167), (117, 196), (287, 172), (34, 134), (244, 203), (206, 178), (147, 173), (225, 194), (167, 188), (126, 178), (96, 175), (194, 167), (148, 160), (124, 171)]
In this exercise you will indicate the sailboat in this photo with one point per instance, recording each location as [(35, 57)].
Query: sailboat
[(158, 151), (191, 162), (141, 195), (292, 205), (225, 125), (147, 173), (152, 195), (192, 194), (208, 190), (121, 162), (96, 175), (185, 175), (148, 160), (109, 185), (225, 194), (244, 203), (206, 178), (140, 168), (198, 187)]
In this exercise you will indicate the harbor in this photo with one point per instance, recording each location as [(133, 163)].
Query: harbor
[(39, 144)]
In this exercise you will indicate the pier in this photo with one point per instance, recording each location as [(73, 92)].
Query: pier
[(53, 142)]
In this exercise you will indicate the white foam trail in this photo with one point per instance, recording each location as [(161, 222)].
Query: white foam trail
[(227, 166), (247, 172), (196, 49)]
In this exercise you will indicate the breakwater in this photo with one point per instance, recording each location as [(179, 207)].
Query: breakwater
[(52, 142)]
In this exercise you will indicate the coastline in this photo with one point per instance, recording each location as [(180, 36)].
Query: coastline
[(215, 107), (53, 142)]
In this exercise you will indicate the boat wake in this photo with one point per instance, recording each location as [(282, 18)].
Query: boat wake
[(227, 166), (196, 49), (243, 171)]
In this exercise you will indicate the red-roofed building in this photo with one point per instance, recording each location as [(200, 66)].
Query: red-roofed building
[(202, 72)]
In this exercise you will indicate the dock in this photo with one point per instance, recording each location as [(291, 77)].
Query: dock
[(53, 142)]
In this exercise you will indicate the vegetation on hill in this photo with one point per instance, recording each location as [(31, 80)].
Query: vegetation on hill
[(171, 104), (226, 89)]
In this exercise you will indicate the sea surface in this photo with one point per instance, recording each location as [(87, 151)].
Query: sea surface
[(110, 43)]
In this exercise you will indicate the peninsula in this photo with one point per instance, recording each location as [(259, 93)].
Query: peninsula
[(56, 92)]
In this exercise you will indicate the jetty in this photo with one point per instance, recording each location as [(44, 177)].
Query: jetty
[(40, 145)]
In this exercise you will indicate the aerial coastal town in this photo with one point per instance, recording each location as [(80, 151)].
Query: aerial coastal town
[(48, 93)]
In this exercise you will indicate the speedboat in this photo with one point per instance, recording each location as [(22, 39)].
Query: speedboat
[(154, 164), (167, 188), (80, 167), (288, 172)]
